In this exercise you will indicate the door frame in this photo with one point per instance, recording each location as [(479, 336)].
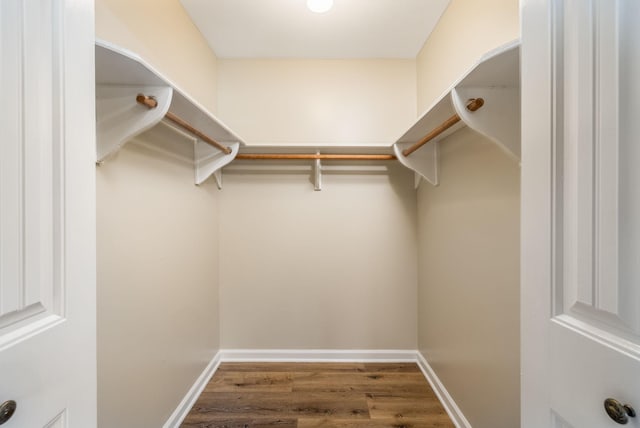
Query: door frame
[(537, 207)]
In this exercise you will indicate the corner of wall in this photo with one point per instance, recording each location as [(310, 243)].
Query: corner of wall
[(181, 54), (467, 30), (158, 314)]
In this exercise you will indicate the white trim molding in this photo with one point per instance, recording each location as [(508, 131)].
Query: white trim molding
[(441, 392), (181, 412), (317, 356)]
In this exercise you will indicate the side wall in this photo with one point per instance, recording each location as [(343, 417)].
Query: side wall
[(323, 102), (157, 237), (334, 269), (157, 285), (468, 316), (468, 294)]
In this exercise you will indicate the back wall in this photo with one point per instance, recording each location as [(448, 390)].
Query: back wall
[(334, 269), (317, 102)]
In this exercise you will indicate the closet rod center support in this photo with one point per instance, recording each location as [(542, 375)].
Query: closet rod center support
[(473, 105), (151, 103)]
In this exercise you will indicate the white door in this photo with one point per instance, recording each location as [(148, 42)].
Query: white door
[(580, 212), (47, 213)]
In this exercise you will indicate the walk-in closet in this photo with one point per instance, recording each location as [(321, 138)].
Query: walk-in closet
[(354, 209), (319, 213)]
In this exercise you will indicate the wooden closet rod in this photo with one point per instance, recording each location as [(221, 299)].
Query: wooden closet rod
[(299, 156), (473, 105), (151, 103)]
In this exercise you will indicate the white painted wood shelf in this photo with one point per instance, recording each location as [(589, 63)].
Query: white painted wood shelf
[(122, 75), (328, 160), (496, 79)]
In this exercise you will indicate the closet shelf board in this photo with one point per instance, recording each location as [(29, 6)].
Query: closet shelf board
[(496, 79), (120, 76)]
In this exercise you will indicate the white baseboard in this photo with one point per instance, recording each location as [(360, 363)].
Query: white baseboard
[(445, 398), (192, 395), (318, 355)]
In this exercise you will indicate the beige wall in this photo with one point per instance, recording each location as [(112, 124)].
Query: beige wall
[(157, 236), (467, 30), (161, 32), (157, 285), (324, 102), (334, 269), (468, 292)]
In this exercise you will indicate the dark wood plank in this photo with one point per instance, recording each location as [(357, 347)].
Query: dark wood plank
[(385, 407), (360, 382), (250, 382), (374, 423), (291, 367), (242, 423), (392, 367), (252, 405)]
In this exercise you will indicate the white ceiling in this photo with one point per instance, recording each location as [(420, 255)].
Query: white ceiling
[(287, 29)]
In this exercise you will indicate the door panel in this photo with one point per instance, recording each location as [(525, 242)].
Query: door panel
[(629, 171), (47, 213), (558, 422), (585, 371), (597, 279), (594, 335), (60, 421), (581, 211), (30, 224)]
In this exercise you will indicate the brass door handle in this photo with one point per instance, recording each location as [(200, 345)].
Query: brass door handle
[(7, 409), (619, 412)]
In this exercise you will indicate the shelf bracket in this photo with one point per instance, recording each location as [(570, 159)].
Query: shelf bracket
[(424, 161), (217, 175), (498, 120), (209, 161), (317, 172), (119, 118)]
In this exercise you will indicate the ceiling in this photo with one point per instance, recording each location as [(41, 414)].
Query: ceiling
[(287, 29)]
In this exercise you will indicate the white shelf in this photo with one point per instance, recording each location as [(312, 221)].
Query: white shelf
[(309, 149), (496, 79), (315, 167), (120, 77)]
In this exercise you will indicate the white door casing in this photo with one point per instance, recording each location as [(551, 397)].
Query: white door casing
[(580, 211), (47, 213)]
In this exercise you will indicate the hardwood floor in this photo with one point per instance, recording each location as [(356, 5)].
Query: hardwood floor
[(286, 395)]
